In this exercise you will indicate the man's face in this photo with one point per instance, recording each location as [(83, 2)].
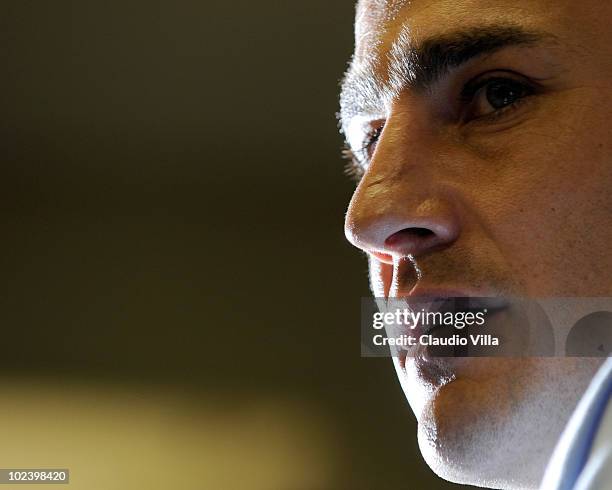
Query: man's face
[(481, 133)]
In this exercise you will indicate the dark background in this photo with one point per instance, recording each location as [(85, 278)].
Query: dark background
[(173, 200)]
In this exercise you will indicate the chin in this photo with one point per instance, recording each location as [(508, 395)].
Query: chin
[(475, 449), (499, 431)]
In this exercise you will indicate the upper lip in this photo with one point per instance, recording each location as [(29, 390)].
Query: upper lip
[(450, 292), (438, 299), (474, 298)]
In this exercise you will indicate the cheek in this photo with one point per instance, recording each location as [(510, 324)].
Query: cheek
[(548, 206)]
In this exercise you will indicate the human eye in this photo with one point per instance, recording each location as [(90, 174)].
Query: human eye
[(493, 96), (360, 155)]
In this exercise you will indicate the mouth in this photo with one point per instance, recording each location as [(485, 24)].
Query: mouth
[(454, 304), (425, 292), (448, 301)]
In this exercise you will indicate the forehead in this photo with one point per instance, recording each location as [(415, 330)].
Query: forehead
[(379, 22), (388, 29), (373, 18)]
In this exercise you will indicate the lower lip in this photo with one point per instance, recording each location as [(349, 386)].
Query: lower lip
[(423, 353)]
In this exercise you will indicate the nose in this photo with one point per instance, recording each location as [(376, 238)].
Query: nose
[(400, 208), (397, 229)]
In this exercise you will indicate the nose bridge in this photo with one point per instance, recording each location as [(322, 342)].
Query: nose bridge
[(390, 181), (408, 142), (401, 205)]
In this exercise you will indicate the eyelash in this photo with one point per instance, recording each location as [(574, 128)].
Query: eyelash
[(357, 159), (353, 168), (471, 89)]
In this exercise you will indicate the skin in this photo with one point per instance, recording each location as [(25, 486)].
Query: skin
[(517, 205)]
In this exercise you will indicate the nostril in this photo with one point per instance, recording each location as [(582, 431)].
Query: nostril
[(408, 234), (420, 232)]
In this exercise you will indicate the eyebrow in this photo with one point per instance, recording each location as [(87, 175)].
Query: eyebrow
[(364, 91)]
